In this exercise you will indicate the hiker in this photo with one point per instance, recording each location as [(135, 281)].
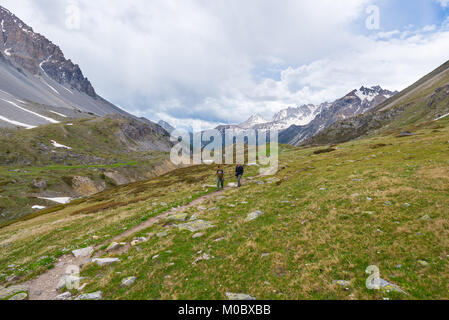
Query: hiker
[(220, 178), (239, 174)]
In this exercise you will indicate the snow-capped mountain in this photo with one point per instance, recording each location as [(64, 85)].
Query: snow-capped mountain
[(353, 104), (297, 124), (252, 121), (38, 85)]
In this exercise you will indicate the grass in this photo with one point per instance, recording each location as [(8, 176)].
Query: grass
[(328, 216), (98, 147)]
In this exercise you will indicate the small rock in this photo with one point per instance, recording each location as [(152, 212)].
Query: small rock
[(155, 257), (369, 199), (194, 217), (196, 225), (197, 235), (105, 261), (12, 278), (128, 282), (19, 296), (205, 256), (64, 296), (406, 205), (342, 283), (388, 203), (181, 217), (426, 217), (254, 215), (239, 296), (81, 253), (162, 234), (423, 263), (113, 246), (91, 296), (12, 290)]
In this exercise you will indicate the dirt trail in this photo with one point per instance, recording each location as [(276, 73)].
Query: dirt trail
[(44, 287)]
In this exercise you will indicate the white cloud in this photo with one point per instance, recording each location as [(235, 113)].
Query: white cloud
[(197, 61), (444, 3)]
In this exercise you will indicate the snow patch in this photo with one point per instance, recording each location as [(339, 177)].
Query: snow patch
[(16, 123), (442, 117), (58, 114), (33, 113), (38, 207), (61, 200), (7, 52), (58, 145)]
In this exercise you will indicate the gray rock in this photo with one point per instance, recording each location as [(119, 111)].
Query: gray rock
[(162, 234), (19, 296), (342, 283), (91, 296), (105, 261), (197, 235), (389, 287), (113, 246), (128, 281), (239, 296), (180, 217), (205, 257), (82, 253), (423, 263), (254, 215), (426, 217), (64, 296), (196, 225), (41, 184), (12, 290)]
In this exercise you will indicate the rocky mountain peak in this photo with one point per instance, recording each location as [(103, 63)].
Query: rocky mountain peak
[(36, 54), (252, 121)]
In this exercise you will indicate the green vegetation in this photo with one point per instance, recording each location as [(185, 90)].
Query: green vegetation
[(326, 216), (100, 149)]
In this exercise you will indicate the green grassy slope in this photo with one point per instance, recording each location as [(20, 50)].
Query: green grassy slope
[(377, 201), (98, 146)]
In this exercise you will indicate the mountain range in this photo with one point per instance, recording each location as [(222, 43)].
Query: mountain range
[(296, 124), (38, 85)]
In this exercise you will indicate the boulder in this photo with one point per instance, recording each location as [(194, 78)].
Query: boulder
[(19, 296), (254, 215), (91, 296), (64, 296), (128, 282), (180, 217), (105, 261), (82, 253), (196, 225), (12, 290), (114, 246), (239, 296)]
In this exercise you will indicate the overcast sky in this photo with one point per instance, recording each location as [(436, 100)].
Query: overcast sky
[(220, 61)]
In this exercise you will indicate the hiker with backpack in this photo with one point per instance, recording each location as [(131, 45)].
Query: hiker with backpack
[(239, 174), (220, 178)]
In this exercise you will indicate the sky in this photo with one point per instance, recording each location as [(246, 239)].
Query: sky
[(201, 63)]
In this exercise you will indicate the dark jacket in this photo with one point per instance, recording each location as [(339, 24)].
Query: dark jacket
[(239, 171)]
